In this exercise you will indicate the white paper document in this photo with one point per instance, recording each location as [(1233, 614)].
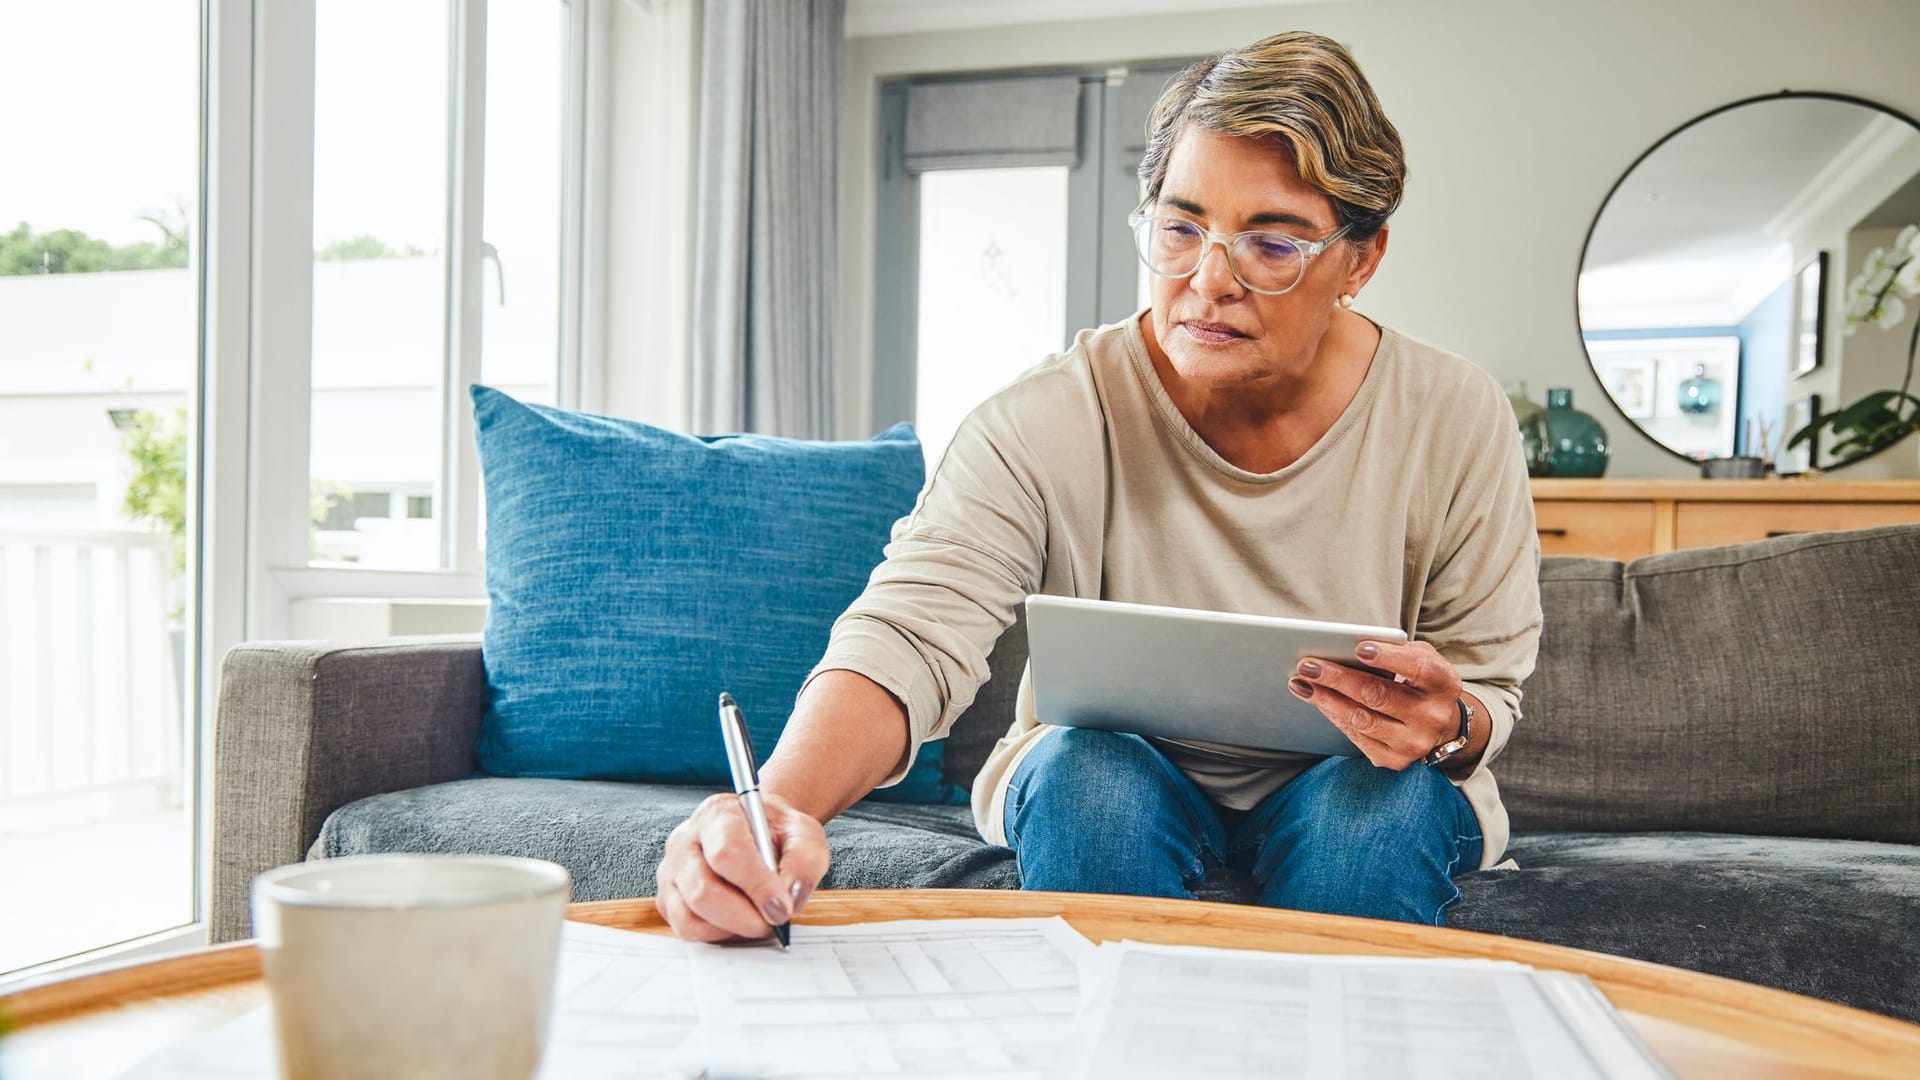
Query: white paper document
[(624, 1009), (1025, 998), (1155, 1011), (936, 998)]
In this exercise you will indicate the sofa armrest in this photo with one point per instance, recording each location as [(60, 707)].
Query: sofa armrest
[(305, 727)]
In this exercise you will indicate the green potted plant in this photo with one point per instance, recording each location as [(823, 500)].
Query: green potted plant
[(156, 450), (1875, 296)]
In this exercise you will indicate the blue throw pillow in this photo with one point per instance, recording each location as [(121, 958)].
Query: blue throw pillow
[(635, 573)]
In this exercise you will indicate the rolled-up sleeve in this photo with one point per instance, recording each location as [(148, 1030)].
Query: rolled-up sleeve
[(954, 574)]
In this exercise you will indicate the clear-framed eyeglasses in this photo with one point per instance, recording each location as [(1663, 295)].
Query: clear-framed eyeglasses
[(1269, 263)]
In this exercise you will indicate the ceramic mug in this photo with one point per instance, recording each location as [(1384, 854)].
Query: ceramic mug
[(419, 966)]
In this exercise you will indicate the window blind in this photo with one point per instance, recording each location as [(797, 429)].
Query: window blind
[(993, 123)]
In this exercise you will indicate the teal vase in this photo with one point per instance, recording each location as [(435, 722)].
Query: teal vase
[(1561, 440), (1700, 395)]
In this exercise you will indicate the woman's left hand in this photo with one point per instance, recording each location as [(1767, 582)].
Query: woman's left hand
[(1394, 722)]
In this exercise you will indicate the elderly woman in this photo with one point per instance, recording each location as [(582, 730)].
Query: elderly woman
[(1249, 443)]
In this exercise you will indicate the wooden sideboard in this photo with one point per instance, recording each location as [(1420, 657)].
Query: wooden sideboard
[(1624, 519)]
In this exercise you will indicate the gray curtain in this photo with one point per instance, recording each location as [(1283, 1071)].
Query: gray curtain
[(765, 270)]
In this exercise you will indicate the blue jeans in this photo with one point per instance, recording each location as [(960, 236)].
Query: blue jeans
[(1097, 811)]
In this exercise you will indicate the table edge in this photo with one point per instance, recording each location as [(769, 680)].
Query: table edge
[(221, 965)]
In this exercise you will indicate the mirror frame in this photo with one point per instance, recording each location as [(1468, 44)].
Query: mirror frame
[(1579, 328)]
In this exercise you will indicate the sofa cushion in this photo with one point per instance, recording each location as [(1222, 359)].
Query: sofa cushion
[(1832, 919), (1765, 688), (635, 573), (610, 836)]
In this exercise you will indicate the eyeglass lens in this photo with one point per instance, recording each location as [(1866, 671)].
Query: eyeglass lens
[(1173, 247)]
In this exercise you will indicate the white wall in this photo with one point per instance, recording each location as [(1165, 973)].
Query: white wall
[(1518, 117)]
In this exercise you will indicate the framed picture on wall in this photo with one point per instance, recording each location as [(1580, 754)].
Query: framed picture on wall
[(1629, 379), (1807, 340), (1800, 458)]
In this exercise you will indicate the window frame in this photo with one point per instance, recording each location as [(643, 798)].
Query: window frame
[(281, 574)]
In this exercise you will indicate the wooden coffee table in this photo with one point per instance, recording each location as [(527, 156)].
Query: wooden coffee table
[(1700, 1025)]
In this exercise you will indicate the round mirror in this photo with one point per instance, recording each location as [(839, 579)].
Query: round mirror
[(1754, 272)]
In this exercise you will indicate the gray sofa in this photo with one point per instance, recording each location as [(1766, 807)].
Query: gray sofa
[(1718, 768)]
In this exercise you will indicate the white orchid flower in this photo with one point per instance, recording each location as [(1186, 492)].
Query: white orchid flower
[(1859, 307), (1893, 312), (1871, 265), (1908, 279), (1881, 278), (1903, 244)]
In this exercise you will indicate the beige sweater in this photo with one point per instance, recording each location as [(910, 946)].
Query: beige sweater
[(1081, 478)]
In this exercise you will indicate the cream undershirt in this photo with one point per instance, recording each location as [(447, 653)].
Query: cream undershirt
[(1081, 478)]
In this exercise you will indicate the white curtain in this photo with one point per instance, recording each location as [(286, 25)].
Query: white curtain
[(764, 262)]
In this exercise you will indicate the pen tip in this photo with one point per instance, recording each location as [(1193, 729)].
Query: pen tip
[(784, 935), (726, 700)]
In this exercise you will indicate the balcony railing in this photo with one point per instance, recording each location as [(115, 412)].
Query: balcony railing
[(90, 676)]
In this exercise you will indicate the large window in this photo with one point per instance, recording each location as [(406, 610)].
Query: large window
[(387, 160), (99, 378), (249, 261)]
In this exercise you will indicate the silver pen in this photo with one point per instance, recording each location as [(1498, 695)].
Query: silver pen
[(746, 783)]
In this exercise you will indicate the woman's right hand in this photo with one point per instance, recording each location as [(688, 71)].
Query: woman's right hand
[(712, 886)]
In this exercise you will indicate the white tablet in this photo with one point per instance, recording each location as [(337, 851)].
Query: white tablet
[(1182, 673)]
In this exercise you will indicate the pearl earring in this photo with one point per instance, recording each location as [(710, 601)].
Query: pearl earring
[(1346, 301)]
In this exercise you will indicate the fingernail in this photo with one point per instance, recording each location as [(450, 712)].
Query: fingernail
[(1300, 687), (800, 894), (1310, 668), (776, 910), (1367, 650)]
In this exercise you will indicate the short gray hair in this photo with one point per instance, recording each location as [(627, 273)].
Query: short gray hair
[(1306, 91)]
